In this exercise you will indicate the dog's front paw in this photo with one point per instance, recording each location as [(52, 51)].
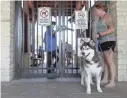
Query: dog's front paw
[(91, 83), (88, 92), (82, 83), (100, 90)]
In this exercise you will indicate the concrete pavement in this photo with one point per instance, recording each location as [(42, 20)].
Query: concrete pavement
[(57, 88)]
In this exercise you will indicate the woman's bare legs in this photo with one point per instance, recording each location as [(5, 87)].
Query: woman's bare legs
[(106, 72), (112, 68)]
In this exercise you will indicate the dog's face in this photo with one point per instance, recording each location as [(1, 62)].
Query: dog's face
[(87, 48)]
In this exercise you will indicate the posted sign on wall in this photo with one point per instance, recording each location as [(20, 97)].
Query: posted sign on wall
[(81, 20), (44, 16)]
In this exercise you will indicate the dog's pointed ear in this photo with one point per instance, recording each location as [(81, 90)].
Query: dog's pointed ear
[(92, 43)]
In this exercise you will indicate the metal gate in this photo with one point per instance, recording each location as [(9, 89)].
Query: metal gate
[(35, 57)]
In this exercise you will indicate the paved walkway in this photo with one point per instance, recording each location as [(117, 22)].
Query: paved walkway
[(66, 88)]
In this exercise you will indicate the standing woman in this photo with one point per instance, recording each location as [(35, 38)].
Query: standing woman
[(107, 41)]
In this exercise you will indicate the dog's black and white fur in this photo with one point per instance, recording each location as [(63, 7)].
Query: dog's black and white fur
[(92, 65)]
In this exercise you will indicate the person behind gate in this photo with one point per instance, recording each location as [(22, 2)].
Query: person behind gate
[(50, 47)]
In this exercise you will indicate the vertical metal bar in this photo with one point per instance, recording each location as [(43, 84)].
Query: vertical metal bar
[(22, 42), (46, 44), (17, 30), (93, 21), (67, 20), (76, 52), (63, 37), (76, 48), (56, 35), (30, 38), (80, 57), (27, 53), (59, 23), (51, 37), (30, 35), (72, 35), (33, 36), (89, 18), (33, 32), (67, 30), (37, 38), (42, 49), (84, 30)]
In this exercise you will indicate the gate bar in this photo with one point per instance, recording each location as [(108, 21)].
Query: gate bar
[(37, 38), (72, 35), (59, 23), (32, 45), (67, 33), (27, 38), (63, 38), (90, 19), (45, 48), (56, 36), (42, 55), (51, 66), (76, 47)]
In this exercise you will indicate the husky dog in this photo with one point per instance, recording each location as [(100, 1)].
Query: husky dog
[(92, 65)]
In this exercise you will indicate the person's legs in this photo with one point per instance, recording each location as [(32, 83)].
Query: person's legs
[(106, 72), (69, 58), (48, 62), (112, 68), (56, 60)]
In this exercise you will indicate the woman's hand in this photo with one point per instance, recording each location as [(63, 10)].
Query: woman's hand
[(54, 34), (97, 36)]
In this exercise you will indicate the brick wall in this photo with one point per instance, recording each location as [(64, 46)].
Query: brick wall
[(7, 40), (122, 39)]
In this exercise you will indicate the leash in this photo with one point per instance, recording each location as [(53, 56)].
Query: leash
[(97, 42)]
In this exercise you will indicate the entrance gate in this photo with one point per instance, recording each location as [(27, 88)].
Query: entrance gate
[(34, 56)]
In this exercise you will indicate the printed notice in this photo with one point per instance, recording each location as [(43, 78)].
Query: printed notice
[(44, 16), (81, 20)]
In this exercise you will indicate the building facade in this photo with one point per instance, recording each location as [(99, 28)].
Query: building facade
[(8, 35)]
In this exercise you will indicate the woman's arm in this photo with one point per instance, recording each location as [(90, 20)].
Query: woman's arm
[(109, 23)]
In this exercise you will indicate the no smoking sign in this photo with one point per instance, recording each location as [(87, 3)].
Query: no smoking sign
[(44, 16)]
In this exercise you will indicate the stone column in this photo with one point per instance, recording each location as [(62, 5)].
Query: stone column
[(7, 40)]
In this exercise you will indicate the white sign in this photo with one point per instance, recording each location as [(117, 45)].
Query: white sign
[(44, 16), (81, 20)]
